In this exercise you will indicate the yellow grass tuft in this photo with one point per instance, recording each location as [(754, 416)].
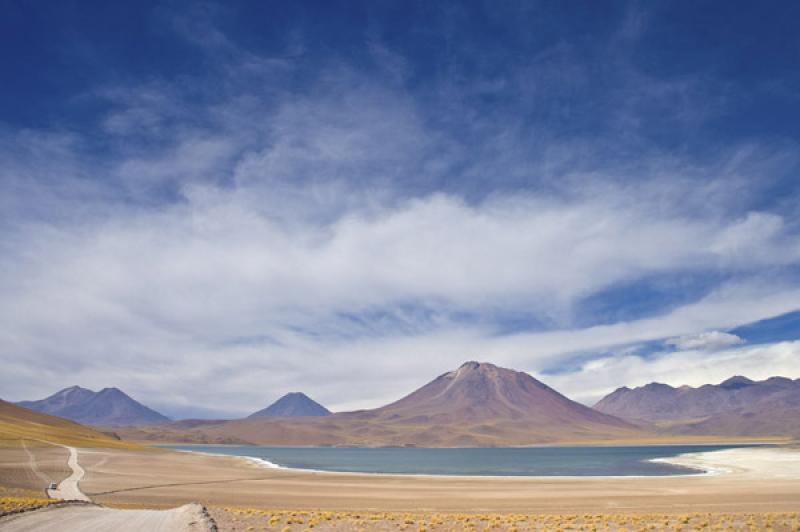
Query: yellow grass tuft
[(17, 499)]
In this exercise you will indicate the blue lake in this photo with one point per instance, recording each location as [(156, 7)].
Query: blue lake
[(495, 461)]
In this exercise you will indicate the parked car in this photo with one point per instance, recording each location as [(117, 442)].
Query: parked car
[(53, 486)]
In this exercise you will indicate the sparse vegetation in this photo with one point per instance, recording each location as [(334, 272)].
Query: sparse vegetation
[(16, 499), (231, 518)]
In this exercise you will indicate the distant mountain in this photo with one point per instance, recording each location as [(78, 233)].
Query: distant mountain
[(108, 407), (478, 404), (736, 406), (294, 404)]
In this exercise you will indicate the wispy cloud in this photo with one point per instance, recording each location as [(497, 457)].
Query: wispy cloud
[(705, 341)]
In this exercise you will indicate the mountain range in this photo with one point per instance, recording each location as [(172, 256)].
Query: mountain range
[(735, 407), (108, 407), (293, 404), (478, 404)]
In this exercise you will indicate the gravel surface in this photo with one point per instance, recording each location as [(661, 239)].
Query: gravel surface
[(81, 518)]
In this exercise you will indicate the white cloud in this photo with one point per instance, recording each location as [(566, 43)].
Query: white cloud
[(705, 341)]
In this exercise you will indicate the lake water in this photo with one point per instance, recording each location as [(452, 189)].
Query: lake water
[(498, 461)]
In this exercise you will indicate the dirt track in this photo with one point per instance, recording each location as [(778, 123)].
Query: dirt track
[(80, 518), (96, 518), (69, 489)]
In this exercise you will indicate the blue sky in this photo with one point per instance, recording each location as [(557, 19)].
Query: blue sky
[(211, 204)]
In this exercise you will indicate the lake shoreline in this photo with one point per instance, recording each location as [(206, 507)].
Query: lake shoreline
[(689, 469), (161, 478)]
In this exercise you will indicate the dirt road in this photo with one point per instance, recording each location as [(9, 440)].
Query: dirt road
[(89, 518), (81, 518), (68, 489)]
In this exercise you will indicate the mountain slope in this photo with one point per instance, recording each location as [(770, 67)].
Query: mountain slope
[(736, 407), (294, 404), (19, 423), (482, 392), (475, 405), (108, 407)]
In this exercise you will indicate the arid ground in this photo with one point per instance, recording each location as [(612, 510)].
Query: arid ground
[(755, 488)]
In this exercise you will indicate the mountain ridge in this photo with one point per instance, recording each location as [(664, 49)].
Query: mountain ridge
[(107, 407), (737, 406)]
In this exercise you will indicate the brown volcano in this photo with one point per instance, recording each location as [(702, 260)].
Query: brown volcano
[(481, 392)]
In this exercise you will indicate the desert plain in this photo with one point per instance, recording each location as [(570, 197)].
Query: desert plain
[(754, 488)]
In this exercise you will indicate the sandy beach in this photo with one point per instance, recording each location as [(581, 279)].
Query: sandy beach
[(772, 462)]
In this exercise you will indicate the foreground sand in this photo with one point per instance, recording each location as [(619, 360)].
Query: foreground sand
[(32, 465), (759, 489)]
